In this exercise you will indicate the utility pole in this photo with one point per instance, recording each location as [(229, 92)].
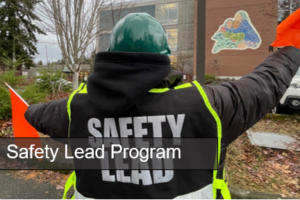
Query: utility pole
[(200, 45)]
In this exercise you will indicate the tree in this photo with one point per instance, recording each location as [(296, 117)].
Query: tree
[(118, 9), (90, 56), (13, 64), (40, 62), (280, 8), (18, 28), (183, 60), (216, 64), (75, 24), (51, 80)]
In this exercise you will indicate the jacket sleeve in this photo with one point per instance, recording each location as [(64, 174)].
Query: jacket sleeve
[(240, 104), (50, 118)]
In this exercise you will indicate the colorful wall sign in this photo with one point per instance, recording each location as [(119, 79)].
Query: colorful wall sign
[(236, 33)]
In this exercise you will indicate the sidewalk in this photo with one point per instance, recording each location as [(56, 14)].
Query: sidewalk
[(11, 188)]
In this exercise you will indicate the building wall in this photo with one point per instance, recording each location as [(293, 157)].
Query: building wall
[(235, 62), (106, 22), (185, 25), (185, 28), (239, 62)]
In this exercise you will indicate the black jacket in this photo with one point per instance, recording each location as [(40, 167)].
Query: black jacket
[(121, 79)]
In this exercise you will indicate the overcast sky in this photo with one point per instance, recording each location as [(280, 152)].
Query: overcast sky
[(46, 47)]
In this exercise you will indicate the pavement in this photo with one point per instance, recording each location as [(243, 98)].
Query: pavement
[(11, 188), (273, 140), (237, 193), (16, 188)]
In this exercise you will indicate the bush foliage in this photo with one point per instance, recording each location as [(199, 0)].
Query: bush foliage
[(209, 79), (5, 105), (50, 85), (52, 82), (10, 78), (32, 95), (212, 80)]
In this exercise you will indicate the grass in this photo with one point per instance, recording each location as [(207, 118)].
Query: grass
[(285, 124), (262, 169)]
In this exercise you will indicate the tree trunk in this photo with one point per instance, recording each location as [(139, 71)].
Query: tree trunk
[(75, 80)]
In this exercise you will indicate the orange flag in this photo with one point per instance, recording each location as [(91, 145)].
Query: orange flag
[(22, 129), (288, 31)]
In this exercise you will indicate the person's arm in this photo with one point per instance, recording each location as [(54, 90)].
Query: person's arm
[(50, 118), (240, 104)]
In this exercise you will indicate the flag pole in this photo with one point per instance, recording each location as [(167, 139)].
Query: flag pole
[(15, 93)]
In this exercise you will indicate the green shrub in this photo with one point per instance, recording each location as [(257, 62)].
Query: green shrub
[(5, 105), (278, 117), (10, 78), (52, 82), (33, 95), (209, 79), (12, 62)]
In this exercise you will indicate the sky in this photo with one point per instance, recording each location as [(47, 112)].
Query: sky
[(53, 50), (47, 47)]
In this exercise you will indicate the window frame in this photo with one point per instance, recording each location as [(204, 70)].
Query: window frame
[(167, 22)]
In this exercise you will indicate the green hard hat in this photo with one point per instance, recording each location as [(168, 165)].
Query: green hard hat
[(139, 32)]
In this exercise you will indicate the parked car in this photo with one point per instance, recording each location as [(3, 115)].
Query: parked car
[(291, 98)]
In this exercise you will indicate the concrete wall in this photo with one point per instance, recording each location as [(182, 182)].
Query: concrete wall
[(185, 27)]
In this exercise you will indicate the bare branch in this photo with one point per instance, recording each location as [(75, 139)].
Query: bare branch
[(215, 63), (75, 24), (182, 61)]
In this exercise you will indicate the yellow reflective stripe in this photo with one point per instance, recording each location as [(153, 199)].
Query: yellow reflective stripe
[(70, 182), (225, 191), (72, 178), (215, 115), (81, 85), (218, 183), (69, 105), (187, 85), (219, 128), (156, 90), (84, 90), (223, 186)]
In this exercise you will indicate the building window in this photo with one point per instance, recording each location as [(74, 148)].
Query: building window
[(172, 35), (168, 13)]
